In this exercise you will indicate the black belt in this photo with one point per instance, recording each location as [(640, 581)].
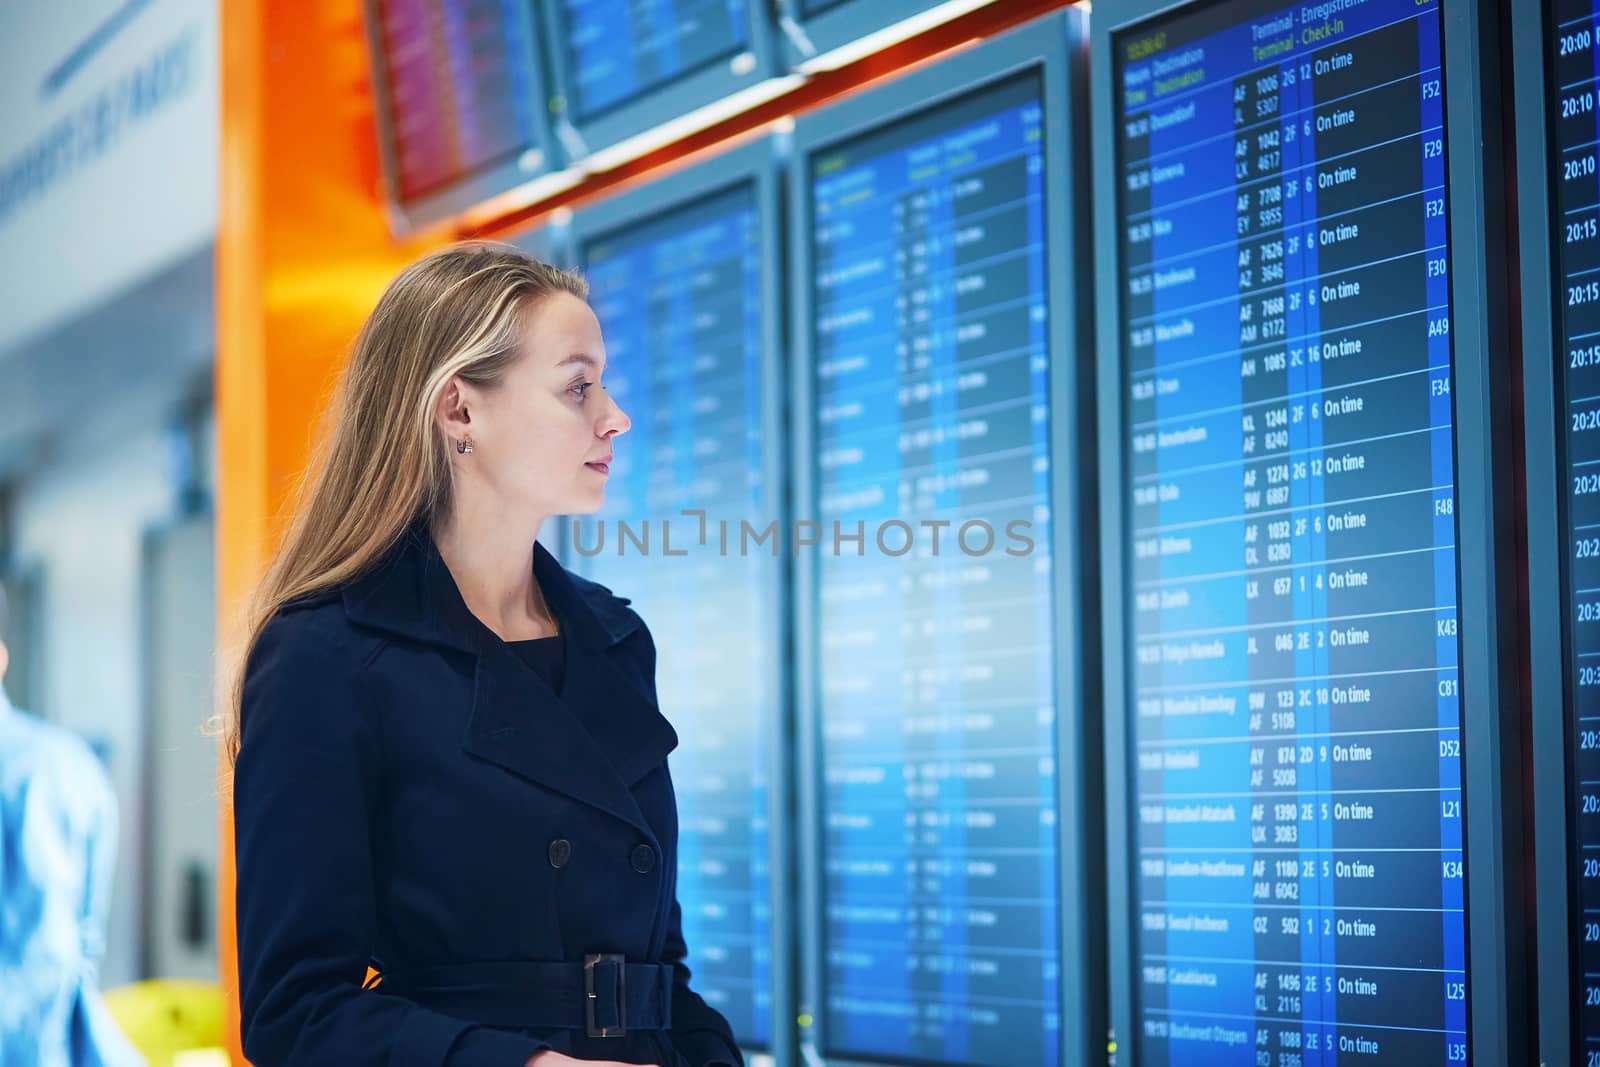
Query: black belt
[(604, 996)]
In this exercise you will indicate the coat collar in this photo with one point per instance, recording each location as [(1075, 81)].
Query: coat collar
[(602, 733), (412, 593)]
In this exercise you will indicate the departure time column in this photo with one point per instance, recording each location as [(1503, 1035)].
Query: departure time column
[(1574, 120)]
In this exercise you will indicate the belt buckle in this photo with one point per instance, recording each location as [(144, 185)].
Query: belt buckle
[(589, 995)]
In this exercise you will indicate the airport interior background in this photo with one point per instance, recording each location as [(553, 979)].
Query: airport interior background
[(1134, 597)]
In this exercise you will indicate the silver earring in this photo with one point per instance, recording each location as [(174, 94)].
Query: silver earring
[(464, 446)]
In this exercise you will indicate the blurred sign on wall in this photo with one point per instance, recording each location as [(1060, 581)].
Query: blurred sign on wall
[(108, 155)]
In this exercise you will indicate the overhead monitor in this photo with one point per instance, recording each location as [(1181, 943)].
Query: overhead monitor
[(682, 277), (461, 103), (813, 29), (622, 69), (938, 456), (1282, 389)]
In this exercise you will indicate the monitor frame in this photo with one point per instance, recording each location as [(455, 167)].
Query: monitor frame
[(804, 37), (1052, 45), (757, 164), (1499, 1028), (1551, 774), (408, 216), (648, 110)]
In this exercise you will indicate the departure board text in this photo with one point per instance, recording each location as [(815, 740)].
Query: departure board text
[(1292, 587), (937, 667)]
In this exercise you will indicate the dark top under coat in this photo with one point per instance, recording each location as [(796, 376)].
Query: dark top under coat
[(546, 656)]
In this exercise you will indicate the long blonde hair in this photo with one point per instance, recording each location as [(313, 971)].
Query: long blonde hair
[(454, 313)]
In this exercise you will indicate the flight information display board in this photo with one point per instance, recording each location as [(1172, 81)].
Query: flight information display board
[(936, 658), (618, 50), (462, 94), (1574, 124), (1291, 589), (679, 299)]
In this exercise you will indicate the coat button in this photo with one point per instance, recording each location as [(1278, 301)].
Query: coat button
[(644, 858), (560, 852)]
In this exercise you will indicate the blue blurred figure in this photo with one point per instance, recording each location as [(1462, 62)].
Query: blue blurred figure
[(58, 842)]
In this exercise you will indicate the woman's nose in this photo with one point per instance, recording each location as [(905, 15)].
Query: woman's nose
[(616, 420)]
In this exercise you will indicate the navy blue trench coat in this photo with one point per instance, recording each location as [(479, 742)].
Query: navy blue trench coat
[(410, 794)]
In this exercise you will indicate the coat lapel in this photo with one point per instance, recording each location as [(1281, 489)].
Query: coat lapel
[(595, 739), (518, 724), (614, 697)]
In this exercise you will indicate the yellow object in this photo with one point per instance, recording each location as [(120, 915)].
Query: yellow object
[(202, 1057), (173, 1022)]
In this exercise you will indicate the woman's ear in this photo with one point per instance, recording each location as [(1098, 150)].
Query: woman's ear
[(453, 414)]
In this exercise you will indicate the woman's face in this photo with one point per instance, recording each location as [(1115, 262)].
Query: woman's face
[(543, 437)]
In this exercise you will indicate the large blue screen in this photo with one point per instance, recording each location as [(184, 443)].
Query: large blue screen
[(679, 298), (937, 657), (1291, 507)]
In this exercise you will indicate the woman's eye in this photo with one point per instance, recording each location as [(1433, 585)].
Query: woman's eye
[(582, 389)]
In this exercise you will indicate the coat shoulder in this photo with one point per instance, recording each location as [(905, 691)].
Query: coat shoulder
[(306, 673), (316, 628), (320, 614)]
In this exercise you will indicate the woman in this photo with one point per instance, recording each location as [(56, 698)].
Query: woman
[(449, 763)]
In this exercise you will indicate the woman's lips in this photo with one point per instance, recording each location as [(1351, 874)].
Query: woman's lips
[(602, 467)]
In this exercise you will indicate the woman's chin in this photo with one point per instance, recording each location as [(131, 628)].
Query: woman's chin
[(587, 503)]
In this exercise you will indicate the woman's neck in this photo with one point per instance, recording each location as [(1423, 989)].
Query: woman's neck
[(491, 560)]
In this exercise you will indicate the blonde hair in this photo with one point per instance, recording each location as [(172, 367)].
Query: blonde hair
[(455, 313)]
